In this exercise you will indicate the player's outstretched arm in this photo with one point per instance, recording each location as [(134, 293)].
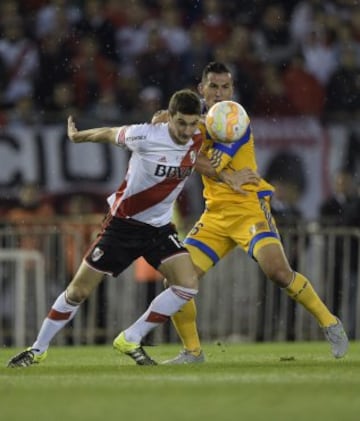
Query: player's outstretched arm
[(99, 135)]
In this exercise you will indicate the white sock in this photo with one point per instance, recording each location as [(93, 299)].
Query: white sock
[(60, 314), (161, 308)]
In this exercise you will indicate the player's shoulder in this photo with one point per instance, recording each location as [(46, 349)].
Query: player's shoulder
[(147, 129)]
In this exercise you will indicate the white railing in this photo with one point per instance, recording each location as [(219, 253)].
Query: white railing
[(235, 301)]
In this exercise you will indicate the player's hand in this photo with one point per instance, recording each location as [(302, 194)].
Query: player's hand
[(161, 116), (237, 179), (71, 129)]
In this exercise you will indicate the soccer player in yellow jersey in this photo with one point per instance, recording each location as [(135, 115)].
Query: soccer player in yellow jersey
[(234, 219)]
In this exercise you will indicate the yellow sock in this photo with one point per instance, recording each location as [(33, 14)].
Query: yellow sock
[(302, 291), (185, 324)]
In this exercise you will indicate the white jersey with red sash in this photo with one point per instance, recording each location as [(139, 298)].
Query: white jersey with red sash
[(157, 171)]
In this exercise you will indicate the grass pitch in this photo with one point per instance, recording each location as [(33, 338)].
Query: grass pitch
[(247, 382)]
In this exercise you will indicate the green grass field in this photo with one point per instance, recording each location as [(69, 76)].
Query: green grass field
[(247, 382)]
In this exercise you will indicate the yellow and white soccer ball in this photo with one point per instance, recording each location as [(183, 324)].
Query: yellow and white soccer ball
[(226, 121)]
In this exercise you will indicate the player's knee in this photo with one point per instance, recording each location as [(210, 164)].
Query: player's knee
[(281, 276), (77, 293), (184, 292), (191, 282)]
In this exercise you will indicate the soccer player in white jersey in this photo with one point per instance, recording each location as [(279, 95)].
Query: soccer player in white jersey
[(138, 224)]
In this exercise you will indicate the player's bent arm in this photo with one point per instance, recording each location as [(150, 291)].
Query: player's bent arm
[(234, 179), (203, 166), (97, 135)]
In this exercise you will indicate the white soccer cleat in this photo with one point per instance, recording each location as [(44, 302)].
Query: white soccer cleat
[(337, 338), (186, 357)]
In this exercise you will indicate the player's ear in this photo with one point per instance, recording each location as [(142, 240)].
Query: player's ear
[(200, 88)]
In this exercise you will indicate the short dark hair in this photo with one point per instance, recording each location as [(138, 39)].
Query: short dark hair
[(214, 67), (185, 101)]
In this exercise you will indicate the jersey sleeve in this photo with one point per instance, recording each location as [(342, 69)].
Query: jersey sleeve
[(221, 154), (132, 136)]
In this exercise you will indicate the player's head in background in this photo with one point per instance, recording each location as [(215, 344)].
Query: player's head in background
[(184, 115), (216, 83)]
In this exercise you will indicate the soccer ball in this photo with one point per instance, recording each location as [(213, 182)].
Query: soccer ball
[(226, 121)]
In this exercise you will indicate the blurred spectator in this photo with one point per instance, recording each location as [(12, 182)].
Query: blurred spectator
[(95, 24), (23, 113), (286, 173), (176, 38), (352, 156), (241, 45), (272, 39), (131, 38), (48, 15), (92, 73), (150, 101), (212, 19), (237, 53), (127, 90), (319, 50), (343, 89), (107, 110), (304, 92), (354, 28), (20, 57), (54, 68), (61, 104), (271, 98), (9, 9), (302, 20), (244, 12), (157, 66), (196, 56), (115, 12), (333, 209)]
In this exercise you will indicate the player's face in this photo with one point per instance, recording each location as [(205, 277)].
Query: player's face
[(182, 127), (217, 87)]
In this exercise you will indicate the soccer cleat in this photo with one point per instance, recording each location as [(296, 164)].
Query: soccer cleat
[(186, 357), (336, 336), (133, 350), (26, 358)]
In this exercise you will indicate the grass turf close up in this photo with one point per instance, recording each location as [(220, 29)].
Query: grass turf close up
[(248, 382)]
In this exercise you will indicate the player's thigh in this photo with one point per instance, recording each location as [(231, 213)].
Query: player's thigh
[(254, 227), (208, 241)]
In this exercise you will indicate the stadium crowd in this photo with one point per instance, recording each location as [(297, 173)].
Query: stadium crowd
[(118, 60)]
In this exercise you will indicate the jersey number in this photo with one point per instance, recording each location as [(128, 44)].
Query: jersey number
[(174, 238)]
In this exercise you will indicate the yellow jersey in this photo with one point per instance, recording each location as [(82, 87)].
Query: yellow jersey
[(233, 156)]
